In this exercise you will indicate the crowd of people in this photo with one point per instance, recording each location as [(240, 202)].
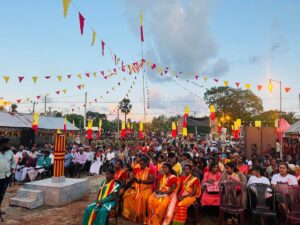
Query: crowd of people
[(155, 182)]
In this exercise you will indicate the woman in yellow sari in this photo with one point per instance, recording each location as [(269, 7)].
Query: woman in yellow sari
[(136, 197), (161, 203), (189, 191), (176, 166)]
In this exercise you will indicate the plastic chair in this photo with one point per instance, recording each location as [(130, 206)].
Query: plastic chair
[(194, 213), (292, 202), (230, 203), (282, 187), (116, 215), (262, 201)]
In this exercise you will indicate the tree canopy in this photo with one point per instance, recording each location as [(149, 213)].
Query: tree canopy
[(236, 103), (125, 106)]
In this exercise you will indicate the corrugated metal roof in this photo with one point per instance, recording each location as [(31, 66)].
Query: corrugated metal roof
[(9, 120), (20, 120)]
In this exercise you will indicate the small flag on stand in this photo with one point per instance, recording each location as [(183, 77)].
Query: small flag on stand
[(141, 130), (184, 125), (212, 112), (141, 26), (174, 130), (99, 129), (90, 129), (123, 130), (35, 122)]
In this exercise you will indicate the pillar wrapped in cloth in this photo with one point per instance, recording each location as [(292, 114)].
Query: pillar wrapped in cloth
[(59, 159)]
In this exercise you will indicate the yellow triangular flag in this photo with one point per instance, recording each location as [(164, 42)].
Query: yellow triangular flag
[(257, 123), (66, 4), (34, 79), (226, 83), (248, 86), (79, 76), (95, 74), (82, 86), (205, 78), (64, 91), (93, 38), (6, 78), (59, 78)]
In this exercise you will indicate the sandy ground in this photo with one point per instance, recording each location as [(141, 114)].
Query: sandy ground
[(70, 214)]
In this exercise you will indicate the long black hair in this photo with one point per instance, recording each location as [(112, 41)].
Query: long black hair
[(170, 168)]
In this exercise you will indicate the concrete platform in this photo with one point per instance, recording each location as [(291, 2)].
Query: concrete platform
[(59, 194)]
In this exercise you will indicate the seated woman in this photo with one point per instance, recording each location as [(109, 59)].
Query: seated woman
[(233, 174), (161, 203), (176, 166), (136, 197), (97, 164), (25, 165), (256, 177), (283, 176), (187, 194), (96, 213), (211, 181), (120, 175)]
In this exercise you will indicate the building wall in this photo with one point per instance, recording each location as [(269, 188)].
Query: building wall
[(259, 140)]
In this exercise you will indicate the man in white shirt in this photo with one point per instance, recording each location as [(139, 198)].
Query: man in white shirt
[(256, 178), (283, 176)]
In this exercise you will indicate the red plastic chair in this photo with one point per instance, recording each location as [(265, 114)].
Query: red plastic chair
[(292, 202), (262, 201), (230, 203)]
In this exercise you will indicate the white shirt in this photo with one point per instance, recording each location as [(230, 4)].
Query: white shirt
[(51, 156), (110, 156), (258, 180), (89, 156), (290, 179)]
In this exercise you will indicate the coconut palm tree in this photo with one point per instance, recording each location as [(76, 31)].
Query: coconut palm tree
[(125, 107)]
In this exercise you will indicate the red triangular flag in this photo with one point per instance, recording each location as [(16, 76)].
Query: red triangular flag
[(79, 86), (102, 72), (123, 67), (47, 77), (81, 23), (105, 77), (69, 76), (87, 75), (18, 100), (115, 70), (57, 92), (153, 66), (20, 79), (237, 84), (38, 97), (102, 44), (259, 87), (216, 80), (287, 89), (196, 77)]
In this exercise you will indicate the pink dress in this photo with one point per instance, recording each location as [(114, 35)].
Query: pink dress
[(207, 198)]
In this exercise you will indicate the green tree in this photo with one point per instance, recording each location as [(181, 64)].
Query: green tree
[(78, 119), (96, 117), (237, 103), (125, 107), (268, 118)]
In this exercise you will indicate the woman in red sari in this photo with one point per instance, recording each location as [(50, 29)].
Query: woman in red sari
[(241, 166), (189, 191), (136, 196), (162, 202), (211, 181)]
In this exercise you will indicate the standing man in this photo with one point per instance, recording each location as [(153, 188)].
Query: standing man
[(7, 166)]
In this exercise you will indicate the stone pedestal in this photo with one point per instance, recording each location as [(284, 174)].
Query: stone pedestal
[(59, 194)]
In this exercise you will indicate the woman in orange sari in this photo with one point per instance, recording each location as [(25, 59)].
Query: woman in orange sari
[(120, 175), (161, 203), (136, 197), (189, 191), (136, 163)]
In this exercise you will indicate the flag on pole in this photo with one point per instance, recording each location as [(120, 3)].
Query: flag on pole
[(141, 130), (212, 112), (81, 23), (174, 130), (141, 26), (99, 129), (123, 130), (35, 122), (184, 125), (65, 125), (90, 129)]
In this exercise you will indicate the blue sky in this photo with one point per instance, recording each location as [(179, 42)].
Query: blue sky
[(245, 41)]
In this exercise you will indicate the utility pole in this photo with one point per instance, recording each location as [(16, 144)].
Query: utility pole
[(45, 105), (33, 107), (84, 116), (118, 120)]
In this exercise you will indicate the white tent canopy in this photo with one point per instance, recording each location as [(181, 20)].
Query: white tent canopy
[(295, 128)]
